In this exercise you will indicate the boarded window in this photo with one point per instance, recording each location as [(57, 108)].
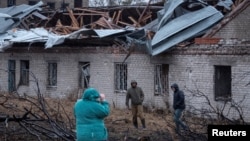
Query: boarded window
[(11, 2), (161, 79), (52, 74), (222, 83), (120, 76), (84, 74), (24, 72), (12, 75)]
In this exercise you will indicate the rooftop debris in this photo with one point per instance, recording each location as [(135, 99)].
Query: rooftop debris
[(156, 27), (175, 27)]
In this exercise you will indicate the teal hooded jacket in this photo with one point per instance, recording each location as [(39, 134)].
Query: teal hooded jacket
[(89, 114)]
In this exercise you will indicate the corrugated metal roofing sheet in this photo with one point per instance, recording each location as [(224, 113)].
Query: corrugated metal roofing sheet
[(16, 13), (191, 32), (173, 30)]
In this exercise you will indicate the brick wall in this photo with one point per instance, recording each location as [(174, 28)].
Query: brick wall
[(237, 27), (196, 72), (191, 72)]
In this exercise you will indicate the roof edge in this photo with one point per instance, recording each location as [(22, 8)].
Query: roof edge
[(235, 12)]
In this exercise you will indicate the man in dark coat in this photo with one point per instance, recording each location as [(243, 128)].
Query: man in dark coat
[(136, 95), (178, 105)]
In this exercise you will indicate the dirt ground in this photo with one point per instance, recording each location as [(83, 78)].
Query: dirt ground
[(160, 126)]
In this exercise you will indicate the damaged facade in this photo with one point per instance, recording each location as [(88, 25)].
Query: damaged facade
[(118, 45), (52, 4)]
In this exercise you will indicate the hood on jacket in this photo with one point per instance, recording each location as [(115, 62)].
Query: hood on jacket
[(91, 94), (175, 86)]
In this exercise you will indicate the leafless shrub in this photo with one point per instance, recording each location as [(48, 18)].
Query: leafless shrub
[(35, 118)]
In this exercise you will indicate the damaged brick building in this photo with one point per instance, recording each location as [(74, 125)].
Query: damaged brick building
[(114, 49)]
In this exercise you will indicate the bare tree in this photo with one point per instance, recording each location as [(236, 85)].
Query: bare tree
[(36, 118)]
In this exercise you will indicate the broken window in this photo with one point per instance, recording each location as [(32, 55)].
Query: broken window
[(161, 79), (64, 5), (84, 74), (11, 3), (51, 5), (12, 75), (52, 74), (120, 76), (24, 72), (78, 3), (32, 2), (222, 82)]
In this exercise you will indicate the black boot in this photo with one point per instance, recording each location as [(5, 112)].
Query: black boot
[(143, 123), (135, 122)]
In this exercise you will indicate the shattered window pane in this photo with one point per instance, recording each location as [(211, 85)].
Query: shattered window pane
[(121, 77), (12, 75), (52, 74), (84, 74), (161, 79), (11, 3), (222, 78), (24, 72)]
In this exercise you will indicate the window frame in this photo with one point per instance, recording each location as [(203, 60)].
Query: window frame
[(120, 77), (24, 72), (84, 74), (52, 74), (11, 3), (11, 75), (161, 71), (220, 84)]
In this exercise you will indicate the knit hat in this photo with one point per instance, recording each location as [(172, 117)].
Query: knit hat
[(133, 81)]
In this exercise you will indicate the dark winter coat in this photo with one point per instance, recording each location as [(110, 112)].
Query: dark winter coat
[(179, 98), (136, 95)]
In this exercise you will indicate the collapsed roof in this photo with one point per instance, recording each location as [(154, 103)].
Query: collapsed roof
[(156, 27)]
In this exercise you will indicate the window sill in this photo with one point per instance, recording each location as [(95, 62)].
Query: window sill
[(51, 87)]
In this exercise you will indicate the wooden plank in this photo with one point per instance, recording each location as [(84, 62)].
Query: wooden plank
[(107, 22), (91, 11), (113, 17), (72, 17), (146, 17), (68, 28), (136, 24), (81, 21), (118, 17), (145, 9), (124, 23), (101, 22), (85, 14)]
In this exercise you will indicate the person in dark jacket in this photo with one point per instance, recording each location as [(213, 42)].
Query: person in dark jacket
[(136, 95), (178, 106), (90, 112)]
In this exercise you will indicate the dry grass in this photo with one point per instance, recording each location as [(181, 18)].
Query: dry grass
[(160, 125)]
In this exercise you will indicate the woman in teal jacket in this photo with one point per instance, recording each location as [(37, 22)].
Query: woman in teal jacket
[(90, 112)]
